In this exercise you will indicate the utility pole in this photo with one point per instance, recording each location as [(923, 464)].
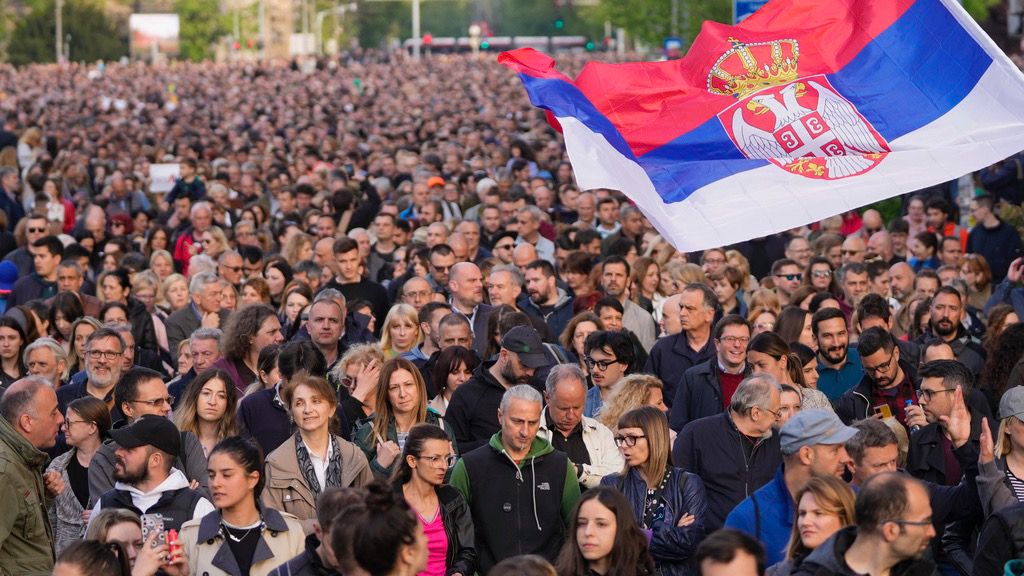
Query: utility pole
[(416, 40), (60, 30)]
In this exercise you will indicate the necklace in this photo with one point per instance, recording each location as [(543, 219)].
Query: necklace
[(229, 530)]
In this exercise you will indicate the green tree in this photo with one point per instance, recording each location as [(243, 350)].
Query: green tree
[(93, 35), (202, 24)]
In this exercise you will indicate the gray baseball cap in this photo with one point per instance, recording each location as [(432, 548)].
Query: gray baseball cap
[(811, 427), (1012, 403)]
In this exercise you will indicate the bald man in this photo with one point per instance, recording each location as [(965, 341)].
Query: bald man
[(880, 244), (466, 286), (901, 281), (416, 292), (522, 255), (854, 249)]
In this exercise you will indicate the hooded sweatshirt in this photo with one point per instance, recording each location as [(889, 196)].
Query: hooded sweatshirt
[(520, 507), (160, 496)]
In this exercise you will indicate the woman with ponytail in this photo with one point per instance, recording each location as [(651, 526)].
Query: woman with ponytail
[(241, 531), (440, 508), (769, 353), (390, 541)]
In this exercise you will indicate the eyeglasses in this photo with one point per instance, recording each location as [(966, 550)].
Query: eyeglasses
[(908, 522), (730, 340), (68, 422), (419, 294), (601, 365), (790, 277), (927, 395), (106, 355), (822, 274), (504, 246), (157, 401), (448, 460), (628, 441), (38, 230), (772, 412), (883, 367)]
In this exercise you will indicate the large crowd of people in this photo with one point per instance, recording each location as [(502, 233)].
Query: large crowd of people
[(375, 327)]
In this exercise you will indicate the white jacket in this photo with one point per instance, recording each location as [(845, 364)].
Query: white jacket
[(604, 454)]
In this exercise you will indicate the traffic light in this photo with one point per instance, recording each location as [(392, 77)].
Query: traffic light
[(485, 45), (559, 23), (590, 46)]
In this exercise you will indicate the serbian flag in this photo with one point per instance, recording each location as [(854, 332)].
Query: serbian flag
[(805, 110)]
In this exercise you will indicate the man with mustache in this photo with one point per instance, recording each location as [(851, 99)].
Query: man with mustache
[(141, 392), (888, 380), (839, 368), (813, 445), (147, 481), (945, 313), (473, 410)]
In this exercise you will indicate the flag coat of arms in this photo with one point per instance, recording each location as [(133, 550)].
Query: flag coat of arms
[(805, 110)]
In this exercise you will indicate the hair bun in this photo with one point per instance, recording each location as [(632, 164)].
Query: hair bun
[(380, 497)]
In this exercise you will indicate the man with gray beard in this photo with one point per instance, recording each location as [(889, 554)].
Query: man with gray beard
[(104, 350)]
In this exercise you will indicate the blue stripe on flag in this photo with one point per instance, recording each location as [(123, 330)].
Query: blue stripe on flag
[(910, 75), (565, 100)]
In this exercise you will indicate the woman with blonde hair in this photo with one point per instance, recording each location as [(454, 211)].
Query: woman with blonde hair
[(762, 319), (146, 288), (358, 371), (173, 293), (80, 331), (162, 264), (401, 331), (684, 273), (401, 404), (298, 248), (1001, 461), (824, 505), (737, 260), (632, 392), (215, 242)]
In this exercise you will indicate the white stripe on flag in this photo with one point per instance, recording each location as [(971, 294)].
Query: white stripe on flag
[(987, 126)]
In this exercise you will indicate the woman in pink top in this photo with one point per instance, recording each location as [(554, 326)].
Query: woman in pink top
[(443, 513)]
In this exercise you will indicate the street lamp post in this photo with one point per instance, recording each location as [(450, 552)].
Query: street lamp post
[(60, 29)]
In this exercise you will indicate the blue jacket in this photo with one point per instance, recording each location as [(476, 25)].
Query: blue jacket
[(768, 516), (671, 357), (672, 546)]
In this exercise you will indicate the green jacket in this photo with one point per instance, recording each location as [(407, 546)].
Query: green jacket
[(26, 538), (368, 444), (570, 490)]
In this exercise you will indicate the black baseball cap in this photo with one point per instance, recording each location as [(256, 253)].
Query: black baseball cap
[(526, 343), (150, 430)]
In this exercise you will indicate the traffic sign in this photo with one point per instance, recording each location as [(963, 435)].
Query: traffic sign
[(743, 8)]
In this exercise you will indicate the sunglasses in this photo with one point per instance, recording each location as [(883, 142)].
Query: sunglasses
[(790, 277)]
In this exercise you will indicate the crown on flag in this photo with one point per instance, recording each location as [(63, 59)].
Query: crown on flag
[(747, 68)]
